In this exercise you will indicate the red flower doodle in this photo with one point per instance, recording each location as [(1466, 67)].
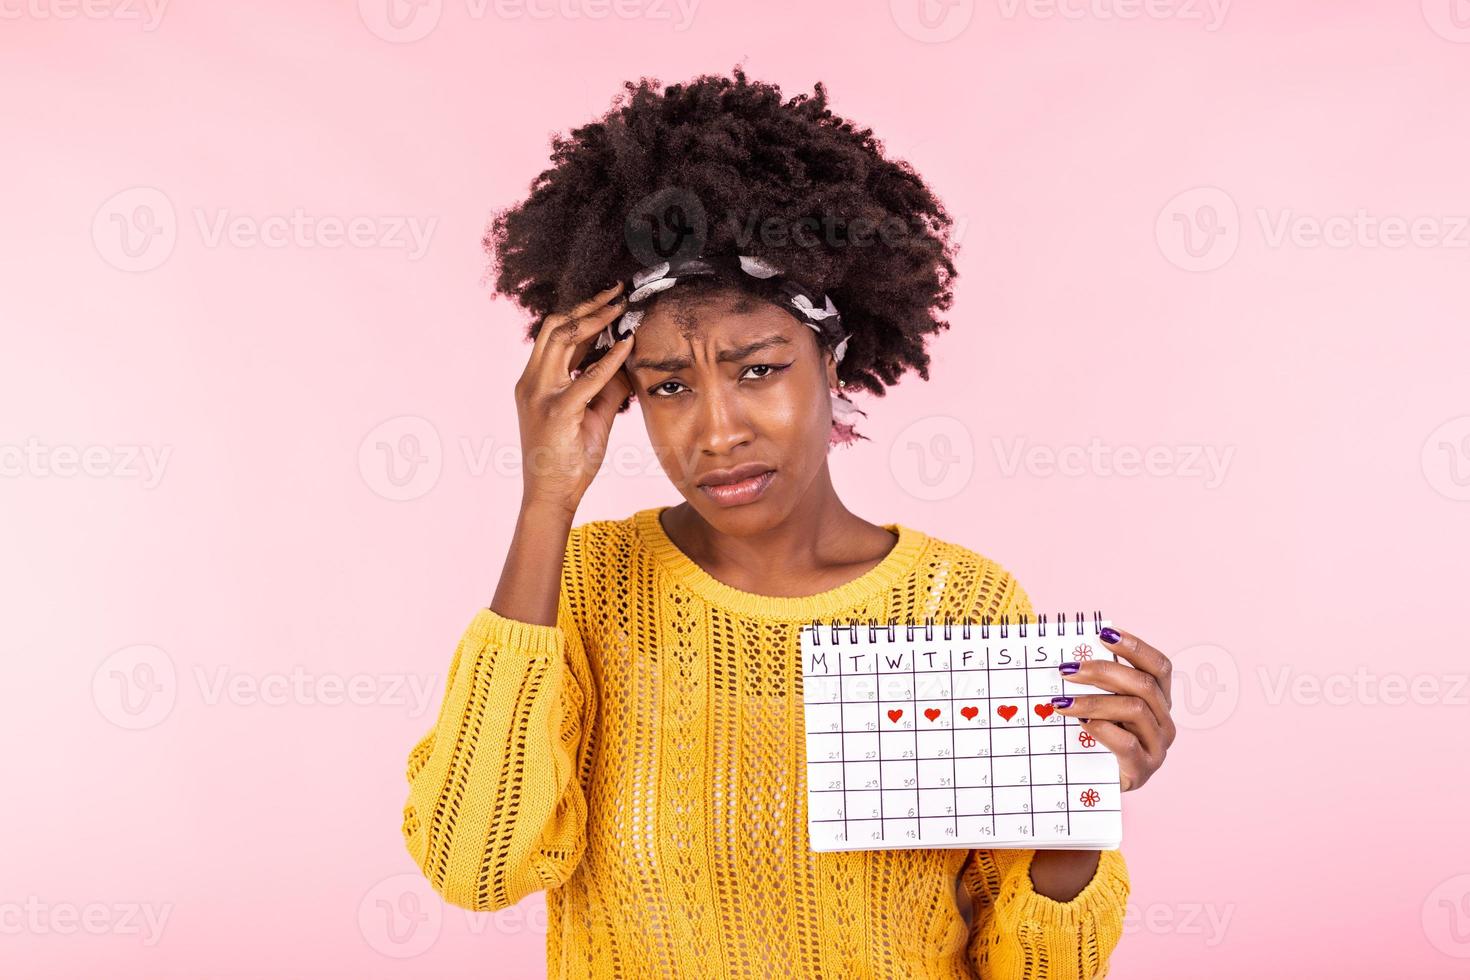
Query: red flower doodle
[(1090, 797), (1083, 652), (1086, 739)]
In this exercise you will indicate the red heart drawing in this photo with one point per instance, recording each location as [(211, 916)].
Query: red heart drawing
[(931, 713), (894, 714), (1006, 711), (1044, 710), (970, 711)]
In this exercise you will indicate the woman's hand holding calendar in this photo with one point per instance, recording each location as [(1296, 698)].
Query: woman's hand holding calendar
[(1133, 721)]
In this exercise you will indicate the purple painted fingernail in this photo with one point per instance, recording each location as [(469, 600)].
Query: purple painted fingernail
[(1071, 667), (1083, 719), (1062, 701), (1110, 635)]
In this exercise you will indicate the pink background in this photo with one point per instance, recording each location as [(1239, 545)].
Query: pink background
[(216, 663)]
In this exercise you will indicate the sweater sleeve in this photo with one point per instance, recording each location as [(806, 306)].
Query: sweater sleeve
[(1018, 933), (497, 803)]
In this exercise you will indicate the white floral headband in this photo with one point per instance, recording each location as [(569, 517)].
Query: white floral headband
[(656, 278)]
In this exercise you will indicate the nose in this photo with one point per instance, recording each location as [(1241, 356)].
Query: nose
[(723, 425)]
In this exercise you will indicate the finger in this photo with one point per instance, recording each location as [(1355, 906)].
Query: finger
[(602, 374), (608, 399), (568, 342), (1147, 659), (1130, 712), (1126, 680), (555, 319), (1134, 766)]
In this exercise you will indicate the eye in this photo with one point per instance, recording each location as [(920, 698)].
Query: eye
[(774, 369), (771, 370)]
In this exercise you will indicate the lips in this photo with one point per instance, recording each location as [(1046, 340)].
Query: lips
[(746, 491), (737, 474)]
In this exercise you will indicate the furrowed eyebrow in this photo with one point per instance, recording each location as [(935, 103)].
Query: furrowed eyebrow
[(679, 362)]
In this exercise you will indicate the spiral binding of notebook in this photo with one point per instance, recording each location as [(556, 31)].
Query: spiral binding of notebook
[(982, 628), (942, 733)]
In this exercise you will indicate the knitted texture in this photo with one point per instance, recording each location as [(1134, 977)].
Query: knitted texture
[(644, 763)]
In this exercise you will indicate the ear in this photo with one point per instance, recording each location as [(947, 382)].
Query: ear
[(831, 366)]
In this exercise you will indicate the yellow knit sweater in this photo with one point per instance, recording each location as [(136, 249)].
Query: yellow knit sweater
[(643, 761)]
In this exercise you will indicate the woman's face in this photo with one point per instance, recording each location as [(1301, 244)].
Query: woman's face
[(727, 380)]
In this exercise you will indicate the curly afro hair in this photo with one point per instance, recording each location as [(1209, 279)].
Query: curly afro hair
[(749, 173)]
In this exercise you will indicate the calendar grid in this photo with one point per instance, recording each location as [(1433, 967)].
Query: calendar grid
[(842, 722), (1030, 773), (1066, 770), (872, 753), (990, 759), (954, 776), (913, 693)]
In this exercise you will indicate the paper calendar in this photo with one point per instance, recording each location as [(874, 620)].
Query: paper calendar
[(944, 735)]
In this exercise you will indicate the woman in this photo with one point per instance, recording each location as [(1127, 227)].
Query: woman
[(622, 726)]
